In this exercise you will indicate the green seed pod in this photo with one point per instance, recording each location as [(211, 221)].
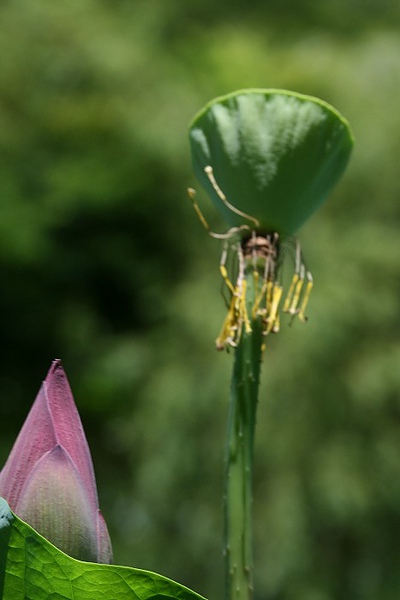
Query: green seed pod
[(274, 154)]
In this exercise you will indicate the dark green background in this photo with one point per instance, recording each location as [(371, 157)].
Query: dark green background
[(104, 264)]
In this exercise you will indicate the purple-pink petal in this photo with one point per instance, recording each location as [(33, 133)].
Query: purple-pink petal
[(55, 503), (105, 553), (53, 420), (48, 478)]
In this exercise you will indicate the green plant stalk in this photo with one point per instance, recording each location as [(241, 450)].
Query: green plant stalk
[(239, 452)]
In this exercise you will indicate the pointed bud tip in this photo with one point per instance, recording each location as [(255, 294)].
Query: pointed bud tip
[(55, 366), (57, 376)]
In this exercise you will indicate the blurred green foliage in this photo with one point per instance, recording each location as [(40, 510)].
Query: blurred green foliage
[(104, 264)]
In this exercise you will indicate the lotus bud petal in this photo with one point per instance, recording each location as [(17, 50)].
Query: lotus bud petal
[(48, 479)]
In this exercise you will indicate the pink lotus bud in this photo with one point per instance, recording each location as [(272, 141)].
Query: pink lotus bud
[(48, 479)]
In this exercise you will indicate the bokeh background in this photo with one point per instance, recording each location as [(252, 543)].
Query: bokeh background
[(104, 264)]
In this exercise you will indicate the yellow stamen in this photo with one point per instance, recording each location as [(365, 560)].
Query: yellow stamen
[(229, 328), (276, 326), (296, 296), (273, 308), (224, 274), (290, 293), (266, 294), (304, 303), (243, 308)]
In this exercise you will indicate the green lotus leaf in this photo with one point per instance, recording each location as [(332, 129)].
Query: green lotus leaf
[(276, 155), (6, 519), (31, 568)]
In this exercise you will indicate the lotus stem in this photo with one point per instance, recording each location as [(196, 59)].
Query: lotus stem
[(239, 455)]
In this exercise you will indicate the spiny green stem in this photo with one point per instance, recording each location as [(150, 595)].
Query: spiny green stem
[(239, 461)]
